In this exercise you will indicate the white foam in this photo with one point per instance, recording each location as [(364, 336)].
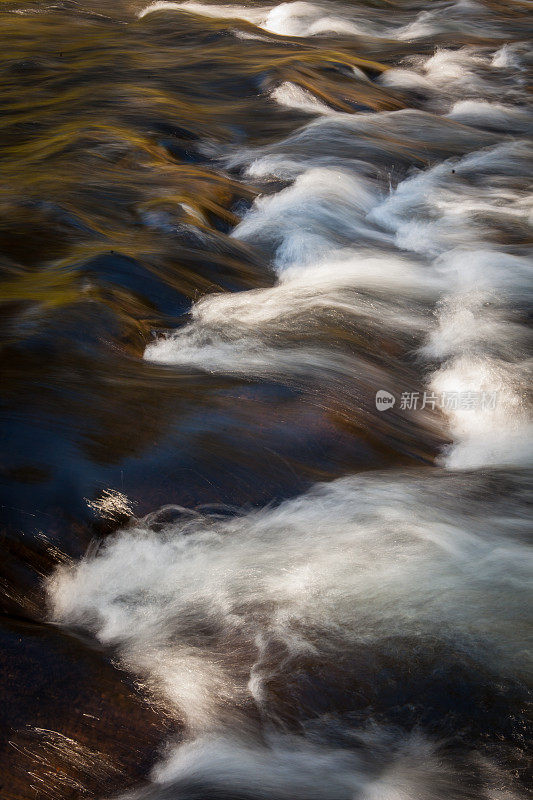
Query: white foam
[(450, 77), (497, 434), (509, 57), (247, 333), (449, 18), (286, 19), (306, 224), (437, 214), (305, 219), (434, 211), (307, 19), (293, 96), (188, 602), (401, 78), (456, 67), (495, 115), (254, 15), (298, 768)]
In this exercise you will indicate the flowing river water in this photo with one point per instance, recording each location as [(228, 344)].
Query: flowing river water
[(265, 421)]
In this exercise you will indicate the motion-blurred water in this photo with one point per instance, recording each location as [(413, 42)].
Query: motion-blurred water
[(230, 569)]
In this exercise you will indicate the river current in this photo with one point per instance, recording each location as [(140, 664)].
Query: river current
[(266, 279)]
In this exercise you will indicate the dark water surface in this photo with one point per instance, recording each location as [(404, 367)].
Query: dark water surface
[(223, 228)]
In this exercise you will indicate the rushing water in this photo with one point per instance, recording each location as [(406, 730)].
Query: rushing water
[(227, 232)]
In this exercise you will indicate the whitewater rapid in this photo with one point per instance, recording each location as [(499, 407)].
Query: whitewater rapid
[(230, 620)]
